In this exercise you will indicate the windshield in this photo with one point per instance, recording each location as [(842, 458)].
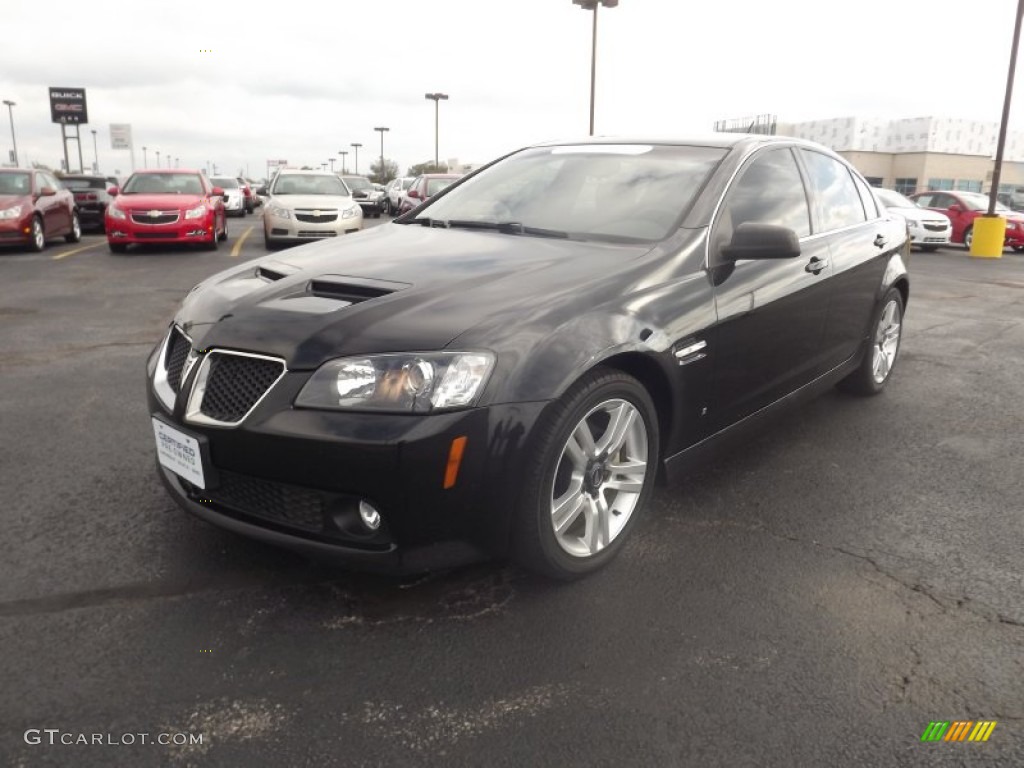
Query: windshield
[(84, 183), (358, 182), (308, 184), (978, 202), (163, 184), (598, 191), (893, 199), (15, 184), (224, 182)]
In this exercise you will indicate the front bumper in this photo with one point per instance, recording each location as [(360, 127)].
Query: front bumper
[(182, 231), (16, 231), (295, 477), (278, 229)]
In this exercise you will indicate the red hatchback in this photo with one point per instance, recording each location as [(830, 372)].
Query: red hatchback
[(424, 188), (963, 208), (166, 206), (35, 207)]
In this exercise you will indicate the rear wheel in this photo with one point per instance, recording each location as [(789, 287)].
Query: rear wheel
[(876, 367), (968, 237), (76, 229), (589, 476), (37, 238)]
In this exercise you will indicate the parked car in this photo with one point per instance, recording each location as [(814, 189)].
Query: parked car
[(364, 192), (166, 206), (234, 198), (35, 207), (928, 229), (91, 198), (395, 191), (508, 368), (308, 205), (423, 188), (962, 208)]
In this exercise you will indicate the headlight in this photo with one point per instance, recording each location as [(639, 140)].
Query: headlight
[(348, 213), (11, 213), (115, 212), (913, 223), (407, 382), (196, 213), (279, 212)]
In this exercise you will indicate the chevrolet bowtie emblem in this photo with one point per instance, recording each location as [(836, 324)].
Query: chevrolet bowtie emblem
[(316, 213), (154, 214)]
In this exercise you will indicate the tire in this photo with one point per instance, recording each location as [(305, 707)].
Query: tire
[(75, 235), (37, 237), (269, 244), (117, 247), (214, 242), (1018, 248), (929, 248), (875, 369), (968, 237), (570, 475)]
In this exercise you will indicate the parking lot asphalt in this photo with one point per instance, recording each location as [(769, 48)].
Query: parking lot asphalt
[(814, 598)]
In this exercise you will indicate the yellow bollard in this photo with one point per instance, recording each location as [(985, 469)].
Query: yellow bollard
[(989, 236)]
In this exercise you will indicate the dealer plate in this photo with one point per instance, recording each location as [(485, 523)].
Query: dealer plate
[(179, 453)]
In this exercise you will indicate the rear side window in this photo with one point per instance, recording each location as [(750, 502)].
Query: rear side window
[(866, 198), (838, 200)]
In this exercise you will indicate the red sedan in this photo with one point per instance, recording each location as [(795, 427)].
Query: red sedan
[(166, 206), (35, 207), (963, 208)]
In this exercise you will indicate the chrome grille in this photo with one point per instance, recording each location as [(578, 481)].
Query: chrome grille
[(936, 226), (177, 350), (230, 384), (155, 217), (323, 218)]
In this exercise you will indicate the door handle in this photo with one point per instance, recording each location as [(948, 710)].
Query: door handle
[(815, 265), (880, 241)]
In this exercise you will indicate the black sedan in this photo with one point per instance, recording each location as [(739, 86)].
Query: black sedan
[(91, 197), (508, 368)]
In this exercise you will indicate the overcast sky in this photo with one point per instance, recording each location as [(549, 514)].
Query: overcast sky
[(302, 80)]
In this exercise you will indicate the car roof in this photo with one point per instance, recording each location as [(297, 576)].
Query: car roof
[(307, 172)]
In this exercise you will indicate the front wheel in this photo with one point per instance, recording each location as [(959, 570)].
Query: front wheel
[(37, 237), (968, 237), (76, 229), (875, 369), (588, 477)]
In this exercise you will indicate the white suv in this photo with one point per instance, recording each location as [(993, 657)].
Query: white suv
[(308, 205)]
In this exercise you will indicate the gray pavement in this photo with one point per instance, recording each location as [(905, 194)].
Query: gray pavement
[(814, 598)]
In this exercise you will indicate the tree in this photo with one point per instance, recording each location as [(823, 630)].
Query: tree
[(427, 167), (390, 171)]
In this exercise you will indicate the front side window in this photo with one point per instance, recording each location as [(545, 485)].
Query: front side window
[(838, 201)]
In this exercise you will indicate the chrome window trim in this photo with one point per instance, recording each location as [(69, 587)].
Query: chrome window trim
[(161, 386), (193, 412)]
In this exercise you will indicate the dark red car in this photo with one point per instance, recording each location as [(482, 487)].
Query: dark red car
[(35, 207), (963, 208), (424, 188), (166, 206)]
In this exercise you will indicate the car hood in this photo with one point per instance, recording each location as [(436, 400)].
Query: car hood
[(916, 213), (311, 201), (129, 202), (9, 201), (399, 288)]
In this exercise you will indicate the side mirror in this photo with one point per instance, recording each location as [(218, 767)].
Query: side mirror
[(762, 241), (47, 191), (113, 191), (414, 193)]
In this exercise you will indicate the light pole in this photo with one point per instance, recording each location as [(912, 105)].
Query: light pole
[(344, 154), (382, 130), (10, 111), (145, 158), (357, 145), (332, 163), (95, 154), (592, 5), (158, 158), (436, 97)]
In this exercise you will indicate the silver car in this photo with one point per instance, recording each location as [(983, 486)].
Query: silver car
[(234, 199), (394, 192), (308, 205)]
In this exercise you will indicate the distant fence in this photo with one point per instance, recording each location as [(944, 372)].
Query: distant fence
[(763, 124)]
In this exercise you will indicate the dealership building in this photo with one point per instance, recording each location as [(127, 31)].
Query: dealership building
[(913, 154)]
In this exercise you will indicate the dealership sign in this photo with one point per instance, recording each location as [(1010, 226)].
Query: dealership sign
[(67, 105), (120, 136)]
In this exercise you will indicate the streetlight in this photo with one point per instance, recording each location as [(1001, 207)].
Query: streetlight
[(332, 163), (145, 160), (10, 111), (382, 129), (344, 154), (436, 97), (357, 145), (95, 154), (158, 158), (592, 5)]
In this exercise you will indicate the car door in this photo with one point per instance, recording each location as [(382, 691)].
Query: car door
[(48, 205), (771, 313), (860, 241)]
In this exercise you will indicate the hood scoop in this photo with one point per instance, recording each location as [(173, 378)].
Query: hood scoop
[(352, 290)]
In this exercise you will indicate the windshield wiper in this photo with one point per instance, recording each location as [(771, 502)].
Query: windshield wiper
[(507, 228)]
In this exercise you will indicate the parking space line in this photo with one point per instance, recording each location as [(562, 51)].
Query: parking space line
[(238, 243), (77, 250)]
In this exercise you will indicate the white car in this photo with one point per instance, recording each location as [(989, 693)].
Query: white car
[(928, 229), (234, 199), (394, 192), (308, 205)]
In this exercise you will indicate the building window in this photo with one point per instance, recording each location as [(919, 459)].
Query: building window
[(874, 181), (906, 186), (940, 184), (967, 185)]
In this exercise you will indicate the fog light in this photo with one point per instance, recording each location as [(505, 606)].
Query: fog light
[(369, 515)]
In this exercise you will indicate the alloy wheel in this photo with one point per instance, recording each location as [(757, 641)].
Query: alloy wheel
[(887, 342)]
